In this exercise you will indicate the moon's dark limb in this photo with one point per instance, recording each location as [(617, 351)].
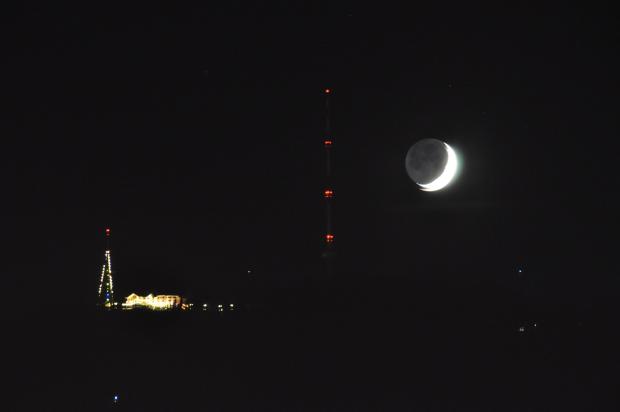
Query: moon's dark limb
[(426, 160)]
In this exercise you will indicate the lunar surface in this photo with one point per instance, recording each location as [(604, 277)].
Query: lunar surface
[(431, 164)]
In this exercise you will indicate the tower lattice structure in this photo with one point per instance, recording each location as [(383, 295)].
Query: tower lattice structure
[(106, 286), (328, 192)]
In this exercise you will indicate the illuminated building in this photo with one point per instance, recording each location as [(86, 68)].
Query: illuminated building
[(106, 291), (106, 287), (161, 302)]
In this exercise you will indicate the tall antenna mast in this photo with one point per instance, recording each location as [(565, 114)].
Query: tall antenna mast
[(328, 192), (106, 287)]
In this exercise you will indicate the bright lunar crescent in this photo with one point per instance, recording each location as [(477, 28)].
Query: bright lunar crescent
[(431, 164)]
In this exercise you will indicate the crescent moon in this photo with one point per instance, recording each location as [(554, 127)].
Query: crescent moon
[(446, 176)]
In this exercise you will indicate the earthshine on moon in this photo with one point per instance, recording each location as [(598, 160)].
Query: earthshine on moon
[(431, 164)]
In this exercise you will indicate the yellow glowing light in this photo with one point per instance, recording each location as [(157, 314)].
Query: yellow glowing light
[(162, 302)]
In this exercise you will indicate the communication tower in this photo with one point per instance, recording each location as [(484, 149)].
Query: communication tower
[(106, 287), (328, 191)]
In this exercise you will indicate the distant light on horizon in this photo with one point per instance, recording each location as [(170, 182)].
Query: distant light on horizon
[(161, 302)]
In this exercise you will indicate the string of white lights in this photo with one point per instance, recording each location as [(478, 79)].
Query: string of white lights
[(101, 280)]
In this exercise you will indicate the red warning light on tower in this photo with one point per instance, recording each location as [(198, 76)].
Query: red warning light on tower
[(107, 231), (328, 142), (328, 91), (328, 193), (329, 238)]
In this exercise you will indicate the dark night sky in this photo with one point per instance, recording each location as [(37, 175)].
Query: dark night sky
[(196, 135)]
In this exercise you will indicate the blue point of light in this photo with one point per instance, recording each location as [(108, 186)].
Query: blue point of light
[(115, 398)]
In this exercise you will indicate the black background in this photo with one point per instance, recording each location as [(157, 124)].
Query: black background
[(196, 135)]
